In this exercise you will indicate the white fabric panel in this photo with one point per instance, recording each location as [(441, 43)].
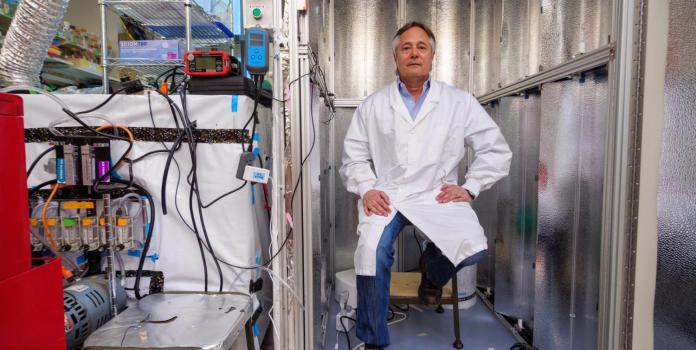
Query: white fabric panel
[(211, 112), (237, 229)]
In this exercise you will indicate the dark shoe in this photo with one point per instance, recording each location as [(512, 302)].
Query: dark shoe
[(372, 347), (428, 293)]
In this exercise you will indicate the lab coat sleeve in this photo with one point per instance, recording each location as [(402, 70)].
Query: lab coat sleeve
[(492, 154), (356, 170)]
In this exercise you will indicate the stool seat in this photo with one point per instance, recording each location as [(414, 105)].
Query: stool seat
[(404, 288)]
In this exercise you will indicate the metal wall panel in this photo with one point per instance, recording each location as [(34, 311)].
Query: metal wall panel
[(487, 24), (571, 27), (675, 297), (346, 219), (486, 208), (517, 208), (449, 21), (320, 238), (363, 31), (571, 167), (519, 40)]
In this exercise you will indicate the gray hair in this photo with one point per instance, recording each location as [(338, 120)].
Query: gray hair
[(409, 25)]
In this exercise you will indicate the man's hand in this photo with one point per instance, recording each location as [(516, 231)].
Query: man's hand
[(376, 202), (452, 193)]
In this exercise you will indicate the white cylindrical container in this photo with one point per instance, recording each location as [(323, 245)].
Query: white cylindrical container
[(466, 283)]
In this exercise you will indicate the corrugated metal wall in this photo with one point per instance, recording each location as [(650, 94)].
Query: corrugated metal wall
[(486, 57), (519, 40), (449, 21), (572, 27), (675, 297), (516, 212), (485, 205), (574, 116)]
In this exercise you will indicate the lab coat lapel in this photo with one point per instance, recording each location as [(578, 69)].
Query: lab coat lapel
[(397, 104), (430, 102)]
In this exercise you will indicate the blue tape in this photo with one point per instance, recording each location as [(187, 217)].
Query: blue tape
[(81, 259), (255, 329), (253, 195), (234, 103), (60, 170)]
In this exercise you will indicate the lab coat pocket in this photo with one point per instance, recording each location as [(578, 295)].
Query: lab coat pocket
[(365, 258)]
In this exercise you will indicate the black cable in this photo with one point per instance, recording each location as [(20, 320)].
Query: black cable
[(345, 330), (194, 183), (148, 238), (200, 243), (206, 206), (402, 309), (149, 154), (168, 71), (185, 132), (244, 149), (36, 161), (40, 186), (113, 94), (163, 191)]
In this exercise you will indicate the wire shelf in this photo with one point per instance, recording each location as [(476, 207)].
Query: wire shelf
[(168, 18), (145, 67)]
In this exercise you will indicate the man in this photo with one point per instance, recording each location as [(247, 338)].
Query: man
[(401, 155)]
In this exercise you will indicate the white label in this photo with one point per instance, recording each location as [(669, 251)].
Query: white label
[(78, 288), (255, 174)]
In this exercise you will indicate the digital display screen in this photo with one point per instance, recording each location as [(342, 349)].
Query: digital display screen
[(256, 36), (205, 63), (256, 43)]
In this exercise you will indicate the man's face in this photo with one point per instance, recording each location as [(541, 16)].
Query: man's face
[(414, 54)]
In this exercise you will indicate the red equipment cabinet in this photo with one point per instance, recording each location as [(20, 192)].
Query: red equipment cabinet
[(31, 299)]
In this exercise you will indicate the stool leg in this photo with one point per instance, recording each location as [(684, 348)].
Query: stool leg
[(455, 313), (248, 327)]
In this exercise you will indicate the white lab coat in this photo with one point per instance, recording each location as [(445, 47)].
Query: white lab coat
[(386, 149)]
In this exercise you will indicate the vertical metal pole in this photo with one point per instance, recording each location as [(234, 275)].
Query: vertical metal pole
[(617, 175), (110, 271), (278, 229), (187, 9), (104, 45), (332, 150), (472, 46), (301, 140)]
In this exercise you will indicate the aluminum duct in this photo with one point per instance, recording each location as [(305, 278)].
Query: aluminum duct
[(33, 28)]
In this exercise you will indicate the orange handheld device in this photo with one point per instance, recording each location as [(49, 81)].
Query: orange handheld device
[(207, 63)]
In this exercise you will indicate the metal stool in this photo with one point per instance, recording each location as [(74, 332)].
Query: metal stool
[(404, 290)]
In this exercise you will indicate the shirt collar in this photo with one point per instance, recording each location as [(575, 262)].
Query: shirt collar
[(404, 91)]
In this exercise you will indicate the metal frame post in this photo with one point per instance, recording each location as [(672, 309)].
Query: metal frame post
[(278, 229), (109, 238), (187, 11), (618, 174), (301, 139), (105, 68)]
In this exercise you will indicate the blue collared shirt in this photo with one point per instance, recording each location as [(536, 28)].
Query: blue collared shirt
[(413, 106)]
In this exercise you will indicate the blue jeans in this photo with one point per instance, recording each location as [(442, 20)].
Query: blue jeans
[(373, 291)]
